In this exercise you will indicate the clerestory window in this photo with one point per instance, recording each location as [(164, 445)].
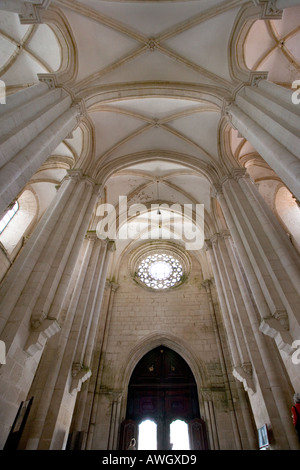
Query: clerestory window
[(10, 213)]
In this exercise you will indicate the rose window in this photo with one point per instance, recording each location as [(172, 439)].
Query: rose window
[(160, 271)]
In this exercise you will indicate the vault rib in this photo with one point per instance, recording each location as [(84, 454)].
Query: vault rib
[(197, 68), (103, 19), (110, 68), (125, 140), (200, 18), (188, 140)]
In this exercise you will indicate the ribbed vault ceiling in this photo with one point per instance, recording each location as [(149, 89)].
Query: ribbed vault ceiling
[(154, 46), (153, 75)]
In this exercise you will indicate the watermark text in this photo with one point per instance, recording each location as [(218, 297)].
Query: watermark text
[(2, 352), (296, 94), (2, 92), (160, 221)]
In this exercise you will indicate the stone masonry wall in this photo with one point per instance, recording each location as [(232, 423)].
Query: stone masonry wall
[(182, 313)]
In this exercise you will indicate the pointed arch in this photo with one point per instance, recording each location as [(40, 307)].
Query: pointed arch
[(152, 341)]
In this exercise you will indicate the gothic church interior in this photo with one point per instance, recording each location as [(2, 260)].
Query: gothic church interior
[(150, 223)]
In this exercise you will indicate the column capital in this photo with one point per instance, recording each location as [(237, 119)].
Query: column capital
[(208, 245), (79, 105), (49, 78), (212, 241), (32, 13), (52, 81), (77, 174), (269, 10), (225, 112), (225, 234), (235, 174), (91, 235), (206, 394), (256, 77), (214, 238), (98, 189), (217, 190), (282, 317), (79, 374), (111, 245), (207, 283), (244, 374), (74, 173), (112, 285)]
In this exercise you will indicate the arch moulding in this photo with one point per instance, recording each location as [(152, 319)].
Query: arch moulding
[(151, 342)]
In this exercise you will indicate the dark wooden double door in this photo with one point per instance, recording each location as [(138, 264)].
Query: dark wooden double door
[(162, 388)]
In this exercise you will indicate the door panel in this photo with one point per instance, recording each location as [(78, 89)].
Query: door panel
[(128, 431), (163, 388), (197, 434)]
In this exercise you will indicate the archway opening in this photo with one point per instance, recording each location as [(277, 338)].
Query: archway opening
[(162, 390)]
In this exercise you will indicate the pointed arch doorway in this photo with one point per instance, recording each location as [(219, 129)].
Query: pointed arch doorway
[(162, 390)]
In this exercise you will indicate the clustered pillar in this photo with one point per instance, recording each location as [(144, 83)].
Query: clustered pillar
[(33, 123), (55, 388), (256, 271), (265, 115), (35, 288)]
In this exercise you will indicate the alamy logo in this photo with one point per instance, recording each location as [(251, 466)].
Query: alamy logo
[(2, 352), (296, 354), (161, 221), (296, 94), (2, 92)]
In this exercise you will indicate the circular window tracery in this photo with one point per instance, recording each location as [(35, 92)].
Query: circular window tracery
[(160, 271)]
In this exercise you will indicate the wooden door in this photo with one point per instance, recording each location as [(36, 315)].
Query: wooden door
[(162, 388)]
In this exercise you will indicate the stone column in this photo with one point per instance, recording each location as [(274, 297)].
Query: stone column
[(259, 374), (114, 421), (265, 115), (210, 419), (29, 10), (94, 403), (33, 122), (223, 361), (232, 307), (271, 263), (269, 375), (39, 277), (86, 397), (56, 384)]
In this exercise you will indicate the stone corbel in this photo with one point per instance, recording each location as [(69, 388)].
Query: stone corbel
[(277, 328), (49, 78), (269, 11), (52, 81), (40, 333), (79, 375), (112, 285), (256, 77), (79, 104), (226, 111), (216, 190), (225, 234), (243, 373), (91, 235), (32, 12), (238, 173), (111, 245)]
